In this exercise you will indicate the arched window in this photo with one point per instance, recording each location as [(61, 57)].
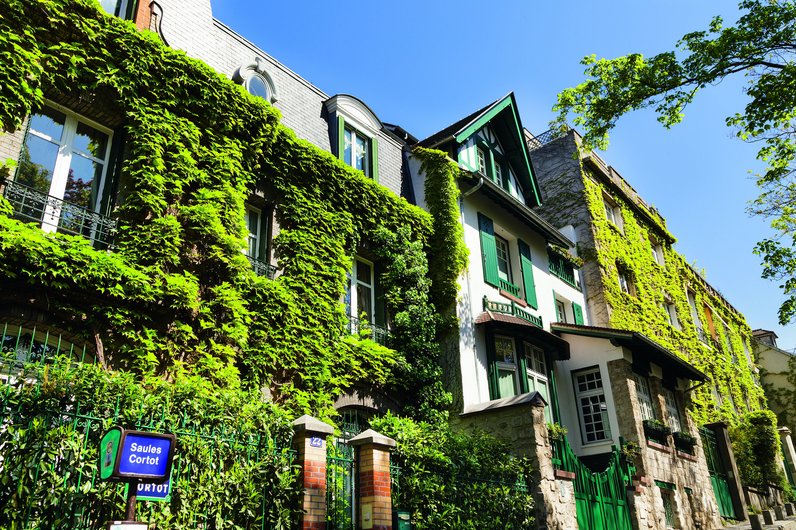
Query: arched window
[(255, 79)]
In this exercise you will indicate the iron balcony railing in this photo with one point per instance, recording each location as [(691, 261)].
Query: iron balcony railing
[(545, 138), (513, 310), (38, 207), (262, 268), (361, 327)]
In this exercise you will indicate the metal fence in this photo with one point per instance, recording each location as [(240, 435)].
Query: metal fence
[(49, 453)]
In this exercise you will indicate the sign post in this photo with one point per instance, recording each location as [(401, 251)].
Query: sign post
[(136, 457)]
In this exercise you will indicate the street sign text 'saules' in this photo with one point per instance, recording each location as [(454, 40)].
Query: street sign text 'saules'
[(136, 456)]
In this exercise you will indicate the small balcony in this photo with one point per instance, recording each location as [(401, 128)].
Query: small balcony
[(509, 287), (262, 268), (360, 327), (513, 310), (54, 214), (562, 269)]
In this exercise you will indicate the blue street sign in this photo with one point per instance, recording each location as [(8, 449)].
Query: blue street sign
[(145, 455), (154, 492)]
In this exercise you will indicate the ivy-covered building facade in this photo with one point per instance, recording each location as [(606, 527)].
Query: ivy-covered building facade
[(217, 214), (692, 364)]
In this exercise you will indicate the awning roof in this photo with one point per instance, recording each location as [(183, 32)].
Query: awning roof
[(637, 343), (511, 323)]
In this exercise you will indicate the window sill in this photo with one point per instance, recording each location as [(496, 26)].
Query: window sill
[(659, 447), (686, 456)]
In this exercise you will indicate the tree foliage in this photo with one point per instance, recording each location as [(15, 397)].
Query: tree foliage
[(761, 46)]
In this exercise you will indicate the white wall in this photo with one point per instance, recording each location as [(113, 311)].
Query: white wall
[(587, 352)]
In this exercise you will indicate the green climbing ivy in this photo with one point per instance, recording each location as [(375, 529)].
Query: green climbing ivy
[(629, 249), (177, 291)]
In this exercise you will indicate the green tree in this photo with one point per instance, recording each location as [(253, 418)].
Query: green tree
[(761, 46)]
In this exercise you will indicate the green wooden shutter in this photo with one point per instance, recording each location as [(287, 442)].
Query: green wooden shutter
[(522, 366), (340, 137), (488, 250), (578, 312), (527, 273), (494, 392), (374, 159)]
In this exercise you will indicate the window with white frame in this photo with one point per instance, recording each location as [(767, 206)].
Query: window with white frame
[(503, 258), (64, 156), (670, 311), (657, 251), (644, 397), (255, 79), (256, 85), (592, 408), (360, 299), (481, 161), (356, 150), (672, 411), (612, 212), (625, 280), (253, 223), (561, 311), (506, 367), (536, 370)]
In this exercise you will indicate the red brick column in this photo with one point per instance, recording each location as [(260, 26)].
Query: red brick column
[(375, 501), (310, 443)]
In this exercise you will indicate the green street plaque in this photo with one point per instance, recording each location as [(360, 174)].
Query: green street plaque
[(108, 451)]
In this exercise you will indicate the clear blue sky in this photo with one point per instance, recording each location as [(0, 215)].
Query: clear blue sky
[(424, 65)]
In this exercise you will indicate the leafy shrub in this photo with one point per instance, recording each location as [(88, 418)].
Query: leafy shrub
[(453, 480), (232, 468), (756, 444)]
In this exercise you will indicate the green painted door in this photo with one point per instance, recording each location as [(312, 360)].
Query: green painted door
[(718, 473)]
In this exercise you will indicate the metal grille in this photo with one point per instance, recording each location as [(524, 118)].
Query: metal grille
[(545, 138), (49, 454), (262, 268), (379, 334), (34, 206)]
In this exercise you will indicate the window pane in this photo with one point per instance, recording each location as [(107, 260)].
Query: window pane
[(504, 350), (253, 223), (504, 271), (364, 305), (362, 150), (257, 87), (110, 6), (347, 152), (83, 173), (363, 273), (506, 383), (36, 163), (48, 122), (90, 141)]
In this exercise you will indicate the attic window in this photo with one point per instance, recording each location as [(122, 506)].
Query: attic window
[(255, 80)]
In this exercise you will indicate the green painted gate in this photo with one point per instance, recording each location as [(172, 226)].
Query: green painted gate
[(600, 497), (718, 473), (341, 474)]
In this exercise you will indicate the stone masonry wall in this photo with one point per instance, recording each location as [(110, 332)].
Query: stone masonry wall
[(693, 510), (564, 203), (525, 428)]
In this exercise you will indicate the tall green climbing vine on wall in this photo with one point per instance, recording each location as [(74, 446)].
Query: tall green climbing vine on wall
[(177, 291), (628, 249)]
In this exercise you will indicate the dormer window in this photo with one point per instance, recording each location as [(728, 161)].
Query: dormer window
[(354, 133)]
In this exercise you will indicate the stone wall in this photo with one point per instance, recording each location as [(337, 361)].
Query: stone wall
[(525, 428), (559, 174), (687, 475)]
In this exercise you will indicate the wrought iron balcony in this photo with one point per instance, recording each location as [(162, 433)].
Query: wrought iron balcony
[(48, 211), (513, 310), (377, 333), (262, 268)]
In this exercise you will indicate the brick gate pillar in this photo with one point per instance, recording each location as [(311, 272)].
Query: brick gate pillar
[(375, 501), (309, 441)]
